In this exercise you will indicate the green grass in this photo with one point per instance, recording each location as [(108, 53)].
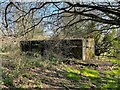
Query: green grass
[(24, 71), (108, 80), (115, 61)]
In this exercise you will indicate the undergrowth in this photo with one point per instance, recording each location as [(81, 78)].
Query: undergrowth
[(30, 70)]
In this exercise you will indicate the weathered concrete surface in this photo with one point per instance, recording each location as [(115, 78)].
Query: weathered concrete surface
[(73, 48)]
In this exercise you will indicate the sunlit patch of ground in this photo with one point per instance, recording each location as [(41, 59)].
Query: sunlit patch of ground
[(6, 53), (21, 71)]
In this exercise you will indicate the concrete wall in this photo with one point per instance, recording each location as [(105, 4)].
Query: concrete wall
[(72, 48), (88, 49)]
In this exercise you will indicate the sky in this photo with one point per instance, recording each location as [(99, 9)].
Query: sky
[(56, 1), (60, 0)]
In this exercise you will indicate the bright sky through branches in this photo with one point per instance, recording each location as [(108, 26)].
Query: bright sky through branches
[(60, 0)]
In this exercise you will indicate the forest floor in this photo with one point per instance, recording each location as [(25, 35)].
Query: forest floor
[(24, 72)]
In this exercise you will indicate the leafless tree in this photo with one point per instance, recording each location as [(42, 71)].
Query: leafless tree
[(55, 12), (61, 16)]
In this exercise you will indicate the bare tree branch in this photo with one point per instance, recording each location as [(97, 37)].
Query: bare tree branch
[(105, 12)]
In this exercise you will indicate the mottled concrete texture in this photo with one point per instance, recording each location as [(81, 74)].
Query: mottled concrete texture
[(78, 48)]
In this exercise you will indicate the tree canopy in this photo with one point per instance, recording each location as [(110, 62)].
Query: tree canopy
[(107, 13)]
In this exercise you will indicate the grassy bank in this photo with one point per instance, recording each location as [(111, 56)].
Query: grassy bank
[(20, 70)]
